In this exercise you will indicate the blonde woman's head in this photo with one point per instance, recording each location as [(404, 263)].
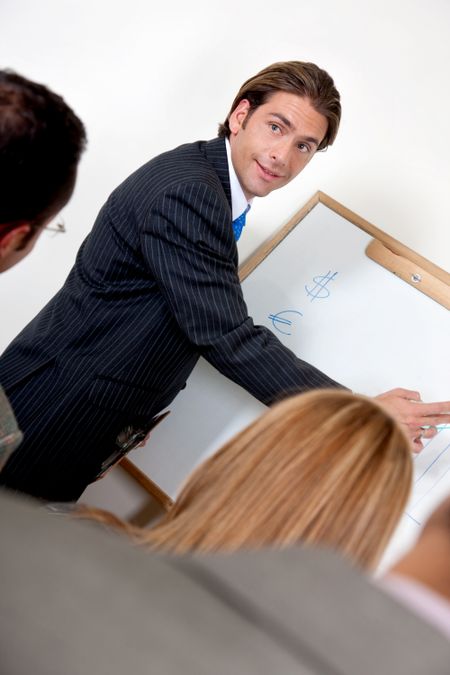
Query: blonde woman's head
[(324, 468)]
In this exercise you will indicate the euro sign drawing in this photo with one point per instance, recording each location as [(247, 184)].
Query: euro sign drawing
[(283, 320), (320, 289)]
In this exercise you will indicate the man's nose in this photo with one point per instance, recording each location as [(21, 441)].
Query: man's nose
[(279, 152)]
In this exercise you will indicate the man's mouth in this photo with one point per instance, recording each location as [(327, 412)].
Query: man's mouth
[(267, 172)]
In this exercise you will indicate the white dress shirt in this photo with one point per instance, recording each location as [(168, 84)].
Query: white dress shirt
[(239, 201)]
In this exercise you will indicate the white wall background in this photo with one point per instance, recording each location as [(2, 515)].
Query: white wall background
[(146, 76)]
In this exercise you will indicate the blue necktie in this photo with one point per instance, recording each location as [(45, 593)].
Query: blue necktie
[(238, 224)]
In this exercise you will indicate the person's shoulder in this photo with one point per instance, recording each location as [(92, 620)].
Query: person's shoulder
[(201, 162), (190, 161), (10, 434)]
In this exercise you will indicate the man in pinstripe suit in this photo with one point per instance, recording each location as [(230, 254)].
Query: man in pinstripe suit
[(155, 286)]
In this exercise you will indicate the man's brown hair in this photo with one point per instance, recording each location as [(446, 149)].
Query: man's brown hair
[(297, 77)]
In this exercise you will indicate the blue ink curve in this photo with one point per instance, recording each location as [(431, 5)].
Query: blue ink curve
[(279, 320), (320, 290)]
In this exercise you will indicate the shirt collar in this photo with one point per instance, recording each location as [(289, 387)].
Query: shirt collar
[(421, 599), (239, 202)]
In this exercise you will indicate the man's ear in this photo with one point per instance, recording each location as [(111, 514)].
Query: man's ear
[(14, 239), (239, 115)]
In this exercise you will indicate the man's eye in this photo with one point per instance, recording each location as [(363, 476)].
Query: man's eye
[(275, 128), (303, 147)]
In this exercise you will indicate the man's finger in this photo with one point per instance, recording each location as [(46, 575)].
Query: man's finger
[(417, 444), (409, 394), (439, 408), (430, 420), (430, 432)]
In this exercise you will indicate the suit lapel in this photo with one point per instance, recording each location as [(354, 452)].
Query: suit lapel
[(216, 154)]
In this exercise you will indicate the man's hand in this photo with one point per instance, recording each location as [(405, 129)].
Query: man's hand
[(418, 418)]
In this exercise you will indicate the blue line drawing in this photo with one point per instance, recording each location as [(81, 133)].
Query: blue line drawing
[(280, 319), (425, 480), (432, 463), (412, 518), (320, 290), (425, 494)]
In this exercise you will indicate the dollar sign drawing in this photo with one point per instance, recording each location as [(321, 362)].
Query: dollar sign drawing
[(320, 290)]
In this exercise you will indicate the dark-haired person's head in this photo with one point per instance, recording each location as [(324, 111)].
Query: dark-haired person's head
[(41, 141)]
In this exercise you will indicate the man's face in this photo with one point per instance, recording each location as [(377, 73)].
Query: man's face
[(273, 144)]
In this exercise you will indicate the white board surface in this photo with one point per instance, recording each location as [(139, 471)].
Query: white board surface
[(337, 309)]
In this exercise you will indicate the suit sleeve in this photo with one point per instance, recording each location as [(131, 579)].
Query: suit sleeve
[(189, 247)]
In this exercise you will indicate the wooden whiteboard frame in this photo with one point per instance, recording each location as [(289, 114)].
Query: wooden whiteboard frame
[(392, 254), (413, 268)]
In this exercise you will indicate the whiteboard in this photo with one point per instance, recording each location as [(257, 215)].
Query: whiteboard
[(337, 309)]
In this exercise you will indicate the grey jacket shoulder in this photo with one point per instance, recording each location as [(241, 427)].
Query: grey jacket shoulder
[(10, 434)]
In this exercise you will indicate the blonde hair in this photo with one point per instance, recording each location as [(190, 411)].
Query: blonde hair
[(326, 467)]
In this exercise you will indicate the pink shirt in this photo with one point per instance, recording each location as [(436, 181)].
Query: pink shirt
[(422, 600)]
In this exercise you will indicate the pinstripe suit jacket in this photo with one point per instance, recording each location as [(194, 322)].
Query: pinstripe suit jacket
[(154, 286)]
